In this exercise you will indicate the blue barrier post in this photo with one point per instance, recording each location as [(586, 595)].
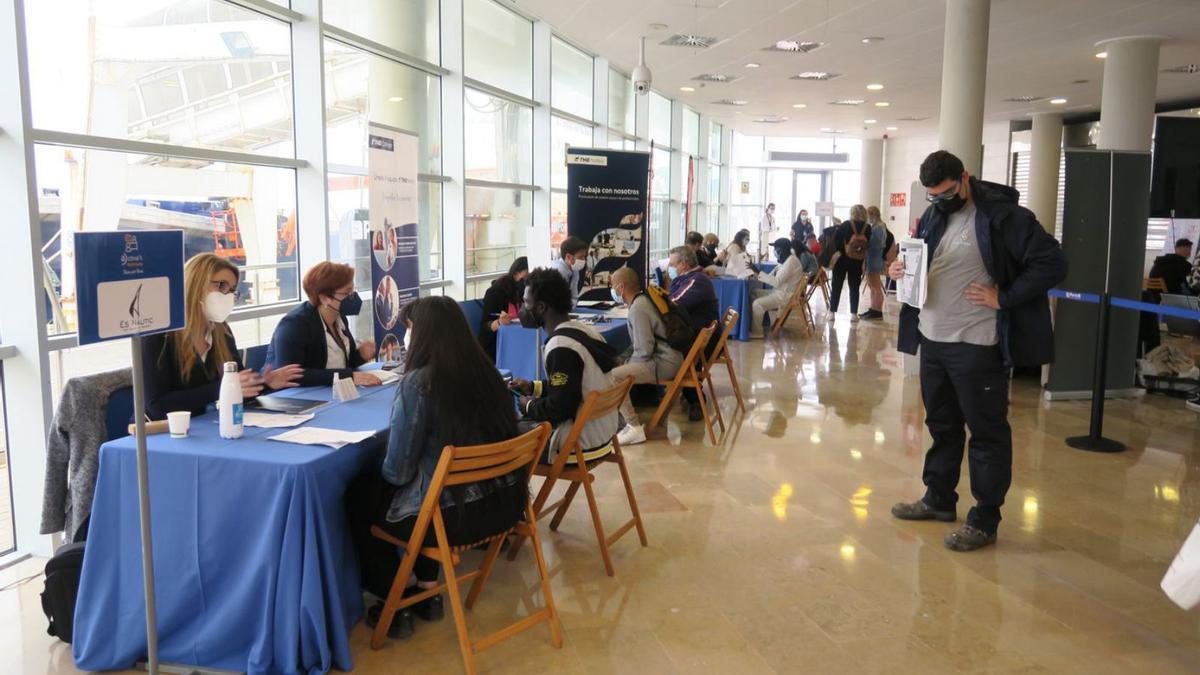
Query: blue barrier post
[(1095, 440)]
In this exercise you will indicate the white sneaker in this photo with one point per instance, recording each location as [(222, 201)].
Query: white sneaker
[(1193, 403), (631, 435)]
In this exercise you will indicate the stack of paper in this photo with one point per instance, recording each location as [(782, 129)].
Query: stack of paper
[(334, 438), (273, 420), (910, 288)]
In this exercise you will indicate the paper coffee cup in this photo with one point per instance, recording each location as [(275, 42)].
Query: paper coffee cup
[(179, 422)]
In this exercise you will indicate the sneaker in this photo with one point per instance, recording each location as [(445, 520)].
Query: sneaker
[(429, 609), (1193, 403), (872, 315), (402, 622), (919, 510), (631, 435), (695, 414), (969, 538)]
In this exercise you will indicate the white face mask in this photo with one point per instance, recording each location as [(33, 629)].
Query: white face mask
[(579, 264), (218, 306), (407, 339)]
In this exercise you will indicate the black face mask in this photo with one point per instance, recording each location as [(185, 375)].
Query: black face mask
[(951, 205), (529, 318), (712, 250)]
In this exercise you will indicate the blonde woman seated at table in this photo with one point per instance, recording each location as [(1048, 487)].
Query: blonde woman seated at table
[(316, 334), (183, 369), (795, 263), (651, 359), (450, 394)]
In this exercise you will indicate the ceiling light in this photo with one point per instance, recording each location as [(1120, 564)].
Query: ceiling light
[(847, 101), (731, 101), (892, 128), (1057, 101), (395, 99), (752, 65), (816, 75), (797, 46), (870, 121), (799, 105), (1102, 55), (715, 77), (874, 87), (826, 130), (687, 89), (871, 38), (689, 40), (881, 104)]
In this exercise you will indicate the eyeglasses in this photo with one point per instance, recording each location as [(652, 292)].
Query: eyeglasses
[(949, 193), (224, 287)]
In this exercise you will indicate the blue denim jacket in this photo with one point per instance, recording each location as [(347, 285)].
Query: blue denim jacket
[(414, 449)]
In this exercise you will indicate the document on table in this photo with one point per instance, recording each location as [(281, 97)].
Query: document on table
[(274, 420), (334, 438), (385, 376), (911, 288)]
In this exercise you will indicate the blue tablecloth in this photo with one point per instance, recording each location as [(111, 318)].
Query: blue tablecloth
[(255, 569), (767, 267), (517, 348), (735, 293)]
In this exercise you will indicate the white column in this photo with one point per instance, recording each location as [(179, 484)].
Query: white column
[(454, 254), (871, 177), (722, 227), (1044, 158), (600, 110), (312, 197), (1127, 100), (537, 239), (674, 223), (964, 76), (22, 325)]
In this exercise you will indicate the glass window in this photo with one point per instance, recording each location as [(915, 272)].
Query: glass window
[(563, 133), (690, 142), (747, 150), (200, 74), (660, 119), (715, 131), (618, 142), (621, 108), (748, 186), (411, 26), (660, 183), (687, 174), (846, 188), (558, 222), (7, 537), (498, 137), (659, 216), (361, 87), (349, 232), (497, 47), (246, 214), (570, 79), (714, 184), (497, 220)]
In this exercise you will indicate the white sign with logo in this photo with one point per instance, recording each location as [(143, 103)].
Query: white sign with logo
[(128, 283), (133, 306), (824, 209)]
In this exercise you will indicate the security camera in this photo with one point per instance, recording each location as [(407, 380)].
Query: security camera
[(641, 75)]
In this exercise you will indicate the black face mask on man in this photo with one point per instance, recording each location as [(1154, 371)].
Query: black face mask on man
[(949, 203), (529, 317)]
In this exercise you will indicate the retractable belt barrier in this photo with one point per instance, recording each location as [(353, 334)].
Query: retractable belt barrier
[(1095, 440)]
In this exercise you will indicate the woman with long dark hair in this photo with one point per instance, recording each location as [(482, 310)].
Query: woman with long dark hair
[(450, 395), (501, 302)]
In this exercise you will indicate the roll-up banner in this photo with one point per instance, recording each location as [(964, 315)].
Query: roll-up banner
[(607, 193), (392, 203)]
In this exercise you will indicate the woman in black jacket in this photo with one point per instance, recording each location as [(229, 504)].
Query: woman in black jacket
[(182, 370), (316, 335), (501, 302), (849, 264)]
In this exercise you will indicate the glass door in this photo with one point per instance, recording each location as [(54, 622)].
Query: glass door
[(808, 188)]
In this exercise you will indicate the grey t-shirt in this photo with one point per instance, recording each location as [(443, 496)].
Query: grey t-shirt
[(957, 263)]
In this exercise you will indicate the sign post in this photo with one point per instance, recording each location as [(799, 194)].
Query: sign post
[(130, 284)]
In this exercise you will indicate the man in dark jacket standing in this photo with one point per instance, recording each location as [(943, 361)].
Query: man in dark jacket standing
[(1173, 268), (991, 264)]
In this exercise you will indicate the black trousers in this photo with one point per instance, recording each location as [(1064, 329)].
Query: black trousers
[(964, 384), (368, 500), (846, 270)]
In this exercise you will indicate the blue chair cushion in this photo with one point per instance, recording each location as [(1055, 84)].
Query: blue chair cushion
[(473, 309), (119, 413)]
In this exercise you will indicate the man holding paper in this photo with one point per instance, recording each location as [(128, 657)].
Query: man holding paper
[(990, 264)]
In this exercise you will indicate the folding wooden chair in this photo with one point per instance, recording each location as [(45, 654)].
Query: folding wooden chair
[(720, 355), (596, 405), (798, 300), (459, 465), (1154, 284), (821, 283), (688, 376)]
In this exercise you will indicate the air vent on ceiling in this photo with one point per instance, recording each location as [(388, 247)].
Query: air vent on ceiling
[(831, 157), (1188, 69), (716, 77), (911, 118), (731, 101), (816, 75), (1024, 99), (794, 46), (770, 119), (687, 40), (848, 101)]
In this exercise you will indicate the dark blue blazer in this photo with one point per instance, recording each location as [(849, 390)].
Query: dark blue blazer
[(300, 338), (1021, 257)]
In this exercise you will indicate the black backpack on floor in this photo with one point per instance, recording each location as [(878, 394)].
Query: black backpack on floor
[(62, 586)]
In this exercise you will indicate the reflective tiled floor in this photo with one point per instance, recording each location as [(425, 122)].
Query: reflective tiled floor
[(775, 552)]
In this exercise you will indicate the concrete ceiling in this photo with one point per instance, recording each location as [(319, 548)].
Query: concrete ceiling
[(1041, 48)]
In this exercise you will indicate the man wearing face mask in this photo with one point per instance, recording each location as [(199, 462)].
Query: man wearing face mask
[(692, 290), (578, 361), (316, 334), (571, 264), (985, 312)]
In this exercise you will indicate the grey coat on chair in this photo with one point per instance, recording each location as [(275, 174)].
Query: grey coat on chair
[(73, 449)]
